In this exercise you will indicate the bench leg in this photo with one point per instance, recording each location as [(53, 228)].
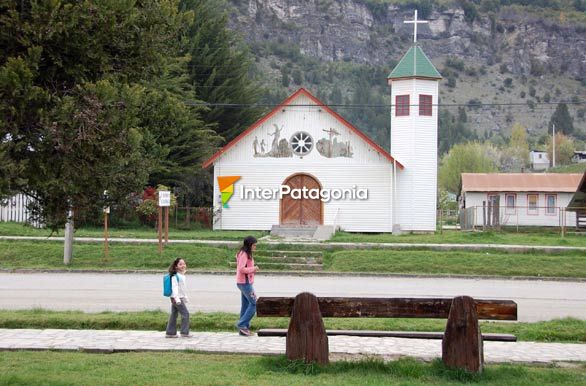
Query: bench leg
[(306, 337), (462, 343)]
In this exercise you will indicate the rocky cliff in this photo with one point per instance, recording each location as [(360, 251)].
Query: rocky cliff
[(541, 51)]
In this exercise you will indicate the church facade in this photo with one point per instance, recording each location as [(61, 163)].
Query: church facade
[(303, 165)]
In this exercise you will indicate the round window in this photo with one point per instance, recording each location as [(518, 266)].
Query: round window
[(301, 143)]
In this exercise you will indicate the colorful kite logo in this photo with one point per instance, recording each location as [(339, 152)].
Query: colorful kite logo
[(226, 185)]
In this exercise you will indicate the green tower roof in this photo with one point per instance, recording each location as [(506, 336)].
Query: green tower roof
[(415, 64)]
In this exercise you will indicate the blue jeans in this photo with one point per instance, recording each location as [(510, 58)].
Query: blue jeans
[(248, 305)]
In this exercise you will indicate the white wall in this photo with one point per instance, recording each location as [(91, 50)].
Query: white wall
[(414, 144), (520, 216)]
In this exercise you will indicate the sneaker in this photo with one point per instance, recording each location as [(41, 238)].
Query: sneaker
[(171, 336), (244, 332), (186, 336)]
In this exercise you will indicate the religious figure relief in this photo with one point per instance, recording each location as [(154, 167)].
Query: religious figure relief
[(255, 146), (331, 148), (279, 146)]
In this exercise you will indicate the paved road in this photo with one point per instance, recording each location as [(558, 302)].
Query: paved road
[(95, 292)]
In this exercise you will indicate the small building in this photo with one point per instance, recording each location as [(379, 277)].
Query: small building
[(579, 156), (539, 160), (524, 199)]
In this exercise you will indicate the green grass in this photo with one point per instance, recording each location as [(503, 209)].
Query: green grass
[(528, 236), (188, 368), (49, 255), (138, 232), (561, 330), (567, 264)]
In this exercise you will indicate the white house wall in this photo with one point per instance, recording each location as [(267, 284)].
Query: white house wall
[(414, 143), (520, 215), (371, 215), (367, 168)]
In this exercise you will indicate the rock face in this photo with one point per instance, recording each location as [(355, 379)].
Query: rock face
[(354, 30)]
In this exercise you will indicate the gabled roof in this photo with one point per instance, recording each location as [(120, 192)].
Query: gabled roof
[(289, 101), (415, 64), (578, 201), (520, 182)]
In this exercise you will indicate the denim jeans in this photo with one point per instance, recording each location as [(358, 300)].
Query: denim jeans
[(172, 323), (248, 305)]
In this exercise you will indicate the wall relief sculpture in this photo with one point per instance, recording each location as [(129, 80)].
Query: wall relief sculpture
[(279, 146), (331, 148)]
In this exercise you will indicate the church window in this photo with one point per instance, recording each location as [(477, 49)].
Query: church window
[(401, 105), (425, 104), (301, 143)]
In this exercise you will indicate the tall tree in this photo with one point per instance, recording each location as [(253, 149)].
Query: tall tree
[(564, 123), (564, 149), (76, 97), (515, 156), (453, 130), (219, 69), (471, 157)]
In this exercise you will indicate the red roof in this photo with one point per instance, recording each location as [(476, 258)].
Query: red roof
[(286, 102), (520, 182)]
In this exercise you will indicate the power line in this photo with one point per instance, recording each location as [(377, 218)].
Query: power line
[(383, 106)]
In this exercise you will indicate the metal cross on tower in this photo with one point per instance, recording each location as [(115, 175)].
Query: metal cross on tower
[(415, 22)]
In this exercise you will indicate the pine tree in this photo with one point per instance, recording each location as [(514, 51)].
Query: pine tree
[(77, 81), (563, 121), (219, 69)]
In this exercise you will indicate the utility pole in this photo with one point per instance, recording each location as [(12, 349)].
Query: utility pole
[(553, 147)]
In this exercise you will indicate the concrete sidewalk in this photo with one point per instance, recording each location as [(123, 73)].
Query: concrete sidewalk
[(109, 341), (321, 245)]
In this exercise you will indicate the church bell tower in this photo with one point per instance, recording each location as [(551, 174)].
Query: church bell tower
[(414, 137)]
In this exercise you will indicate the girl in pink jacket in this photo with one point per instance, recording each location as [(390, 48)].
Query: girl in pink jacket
[(245, 270)]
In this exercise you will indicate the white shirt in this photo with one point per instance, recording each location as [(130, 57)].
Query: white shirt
[(179, 288)]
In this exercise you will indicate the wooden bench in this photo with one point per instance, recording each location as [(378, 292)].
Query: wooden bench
[(462, 345)]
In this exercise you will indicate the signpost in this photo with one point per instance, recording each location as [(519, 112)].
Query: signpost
[(106, 213), (164, 202)]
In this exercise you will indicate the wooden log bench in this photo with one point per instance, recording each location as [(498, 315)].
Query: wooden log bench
[(462, 340)]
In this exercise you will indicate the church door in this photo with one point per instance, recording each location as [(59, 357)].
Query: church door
[(303, 211)]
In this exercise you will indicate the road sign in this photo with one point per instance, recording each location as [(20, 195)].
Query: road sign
[(164, 198)]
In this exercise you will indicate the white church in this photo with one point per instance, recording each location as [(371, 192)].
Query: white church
[(303, 165)]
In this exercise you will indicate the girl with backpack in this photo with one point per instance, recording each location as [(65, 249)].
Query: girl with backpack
[(245, 270), (179, 299)]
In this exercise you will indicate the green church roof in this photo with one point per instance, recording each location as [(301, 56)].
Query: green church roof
[(415, 64)]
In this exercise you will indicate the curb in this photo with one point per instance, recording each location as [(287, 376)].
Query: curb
[(303, 273)]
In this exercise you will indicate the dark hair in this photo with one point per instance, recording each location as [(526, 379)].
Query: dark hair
[(247, 245), (173, 266)]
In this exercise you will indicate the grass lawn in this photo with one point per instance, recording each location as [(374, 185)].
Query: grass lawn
[(567, 264), (49, 255), (138, 232), (528, 236), (532, 237), (186, 368), (562, 330)]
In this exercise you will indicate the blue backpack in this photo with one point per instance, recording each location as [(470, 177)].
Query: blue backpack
[(167, 285)]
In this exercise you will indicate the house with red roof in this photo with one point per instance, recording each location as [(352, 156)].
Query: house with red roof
[(522, 199)]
